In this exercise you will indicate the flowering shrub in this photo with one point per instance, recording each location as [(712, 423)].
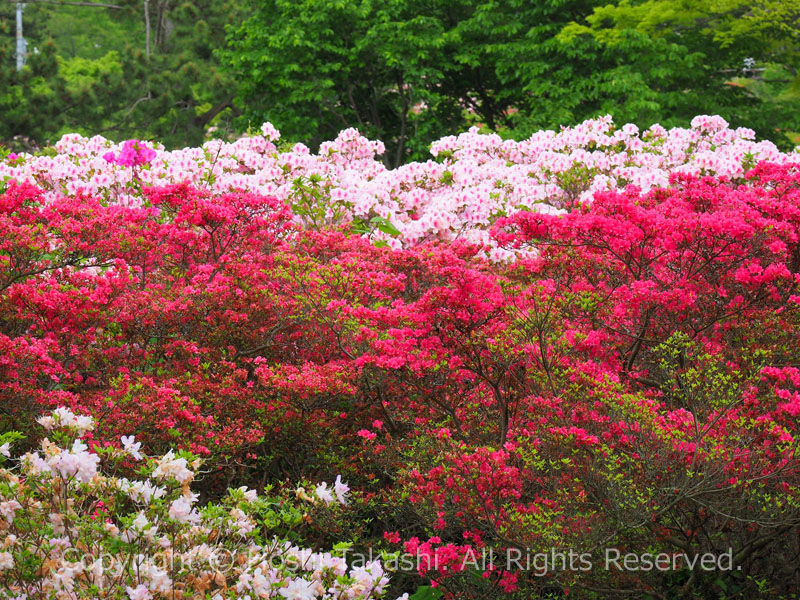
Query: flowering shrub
[(69, 530), (474, 180), (627, 379), (637, 404)]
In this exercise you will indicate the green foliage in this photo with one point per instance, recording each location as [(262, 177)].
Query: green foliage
[(426, 592), (88, 71), (84, 32), (81, 74), (405, 72), (38, 86), (402, 71), (673, 60)]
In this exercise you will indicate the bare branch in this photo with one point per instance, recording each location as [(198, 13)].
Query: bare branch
[(208, 116), (127, 114)]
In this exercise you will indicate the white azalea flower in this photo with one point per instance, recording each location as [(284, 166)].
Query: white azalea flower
[(131, 447), (341, 489), (323, 493)]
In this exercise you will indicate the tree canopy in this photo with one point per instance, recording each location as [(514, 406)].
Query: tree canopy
[(402, 71), (90, 69), (734, 58)]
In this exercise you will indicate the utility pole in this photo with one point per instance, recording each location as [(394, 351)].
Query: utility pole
[(21, 43)]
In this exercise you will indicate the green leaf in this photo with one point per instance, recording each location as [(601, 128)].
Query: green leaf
[(385, 226), (426, 592)]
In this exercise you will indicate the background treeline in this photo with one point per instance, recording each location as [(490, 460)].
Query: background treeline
[(403, 71)]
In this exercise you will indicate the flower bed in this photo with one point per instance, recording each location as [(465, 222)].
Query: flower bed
[(509, 352)]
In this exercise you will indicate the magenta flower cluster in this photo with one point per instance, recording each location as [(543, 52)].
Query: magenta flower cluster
[(133, 154)]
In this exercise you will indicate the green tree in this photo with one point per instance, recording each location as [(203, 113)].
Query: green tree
[(177, 89), (20, 91), (404, 71), (89, 70), (690, 57)]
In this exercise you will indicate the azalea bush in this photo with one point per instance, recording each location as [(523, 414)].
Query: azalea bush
[(635, 382), (581, 342), (71, 529), (471, 180)]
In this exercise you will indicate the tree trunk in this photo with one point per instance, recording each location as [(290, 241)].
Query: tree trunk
[(147, 28)]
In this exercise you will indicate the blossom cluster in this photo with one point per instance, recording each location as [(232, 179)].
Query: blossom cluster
[(70, 530), (474, 180), (133, 154)]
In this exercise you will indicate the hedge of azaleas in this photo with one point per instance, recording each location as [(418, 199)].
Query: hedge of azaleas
[(475, 179), (509, 348)]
